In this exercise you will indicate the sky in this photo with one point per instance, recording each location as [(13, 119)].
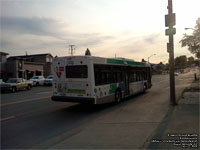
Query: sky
[(133, 29)]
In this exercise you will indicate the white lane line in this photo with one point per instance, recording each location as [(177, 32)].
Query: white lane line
[(160, 81), (45, 92), (7, 118)]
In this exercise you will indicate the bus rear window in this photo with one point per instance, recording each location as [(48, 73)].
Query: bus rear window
[(78, 71)]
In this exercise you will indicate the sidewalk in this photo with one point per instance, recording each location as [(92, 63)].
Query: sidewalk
[(180, 128)]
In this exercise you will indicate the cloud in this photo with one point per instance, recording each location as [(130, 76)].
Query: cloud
[(23, 33), (42, 35), (152, 38), (34, 26)]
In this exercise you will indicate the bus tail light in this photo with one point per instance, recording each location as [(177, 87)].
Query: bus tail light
[(86, 88)]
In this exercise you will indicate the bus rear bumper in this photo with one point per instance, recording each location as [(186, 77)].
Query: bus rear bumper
[(74, 99)]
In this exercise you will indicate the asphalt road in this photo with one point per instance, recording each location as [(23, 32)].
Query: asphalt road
[(29, 119)]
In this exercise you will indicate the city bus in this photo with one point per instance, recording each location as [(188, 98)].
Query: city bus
[(98, 80)]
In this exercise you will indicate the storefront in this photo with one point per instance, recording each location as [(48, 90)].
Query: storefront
[(20, 68)]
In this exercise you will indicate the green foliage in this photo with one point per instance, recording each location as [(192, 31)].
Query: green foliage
[(181, 62), (196, 62), (193, 41), (190, 61)]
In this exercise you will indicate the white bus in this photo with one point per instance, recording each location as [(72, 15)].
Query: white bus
[(98, 80)]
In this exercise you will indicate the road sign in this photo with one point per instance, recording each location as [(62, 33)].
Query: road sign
[(170, 20), (170, 31)]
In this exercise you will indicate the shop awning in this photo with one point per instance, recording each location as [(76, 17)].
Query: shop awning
[(31, 70), (39, 70)]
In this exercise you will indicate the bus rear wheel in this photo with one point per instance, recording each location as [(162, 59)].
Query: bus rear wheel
[(118, 96), (144, 88)]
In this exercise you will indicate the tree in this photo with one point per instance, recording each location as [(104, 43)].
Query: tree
[(181, 62), (196, 62), (190, 61), (193, 41)]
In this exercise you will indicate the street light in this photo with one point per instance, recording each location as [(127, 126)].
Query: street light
[(150, 57)]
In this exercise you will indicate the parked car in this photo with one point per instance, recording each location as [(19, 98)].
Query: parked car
[(176, 73), (1, 81), (37, 80), (15, 84), (48, 80)]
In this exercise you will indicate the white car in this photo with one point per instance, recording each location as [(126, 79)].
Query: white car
[(176, 73), (48, 80), (1, 81), (37, 80)]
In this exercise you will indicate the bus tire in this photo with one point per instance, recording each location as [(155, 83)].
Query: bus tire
[(144, 87), (118, 96)]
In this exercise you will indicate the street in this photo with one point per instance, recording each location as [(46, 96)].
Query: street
[(30, 119)]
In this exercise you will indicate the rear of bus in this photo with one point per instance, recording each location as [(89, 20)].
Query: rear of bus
[(73, 79)]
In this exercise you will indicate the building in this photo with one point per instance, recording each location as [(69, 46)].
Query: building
[(3, 60), (27, 66), (20, 68)]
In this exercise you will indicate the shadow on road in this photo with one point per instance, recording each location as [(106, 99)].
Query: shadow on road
[(90, 108), (44, 128)]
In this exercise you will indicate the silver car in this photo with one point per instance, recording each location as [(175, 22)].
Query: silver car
[(48, 80), (15, 84)]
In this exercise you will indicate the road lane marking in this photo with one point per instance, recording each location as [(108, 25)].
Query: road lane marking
[(159, 81), (24, 100), (45, 92), (7, 118)]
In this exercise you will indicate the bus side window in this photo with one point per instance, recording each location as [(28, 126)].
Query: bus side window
[(131, 76), (103, 77), (142, 75), (138, 76), (135, 76), (97, 78)]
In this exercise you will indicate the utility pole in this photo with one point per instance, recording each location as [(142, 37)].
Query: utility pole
[(71, 49), (170, 22)]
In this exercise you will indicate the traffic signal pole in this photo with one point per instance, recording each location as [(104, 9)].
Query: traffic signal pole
[(170, 22)]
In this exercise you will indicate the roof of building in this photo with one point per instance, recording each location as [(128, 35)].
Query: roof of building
[(25, 56), (3, 53)]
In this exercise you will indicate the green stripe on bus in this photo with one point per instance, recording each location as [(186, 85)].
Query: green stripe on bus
[(135, 63), (122, 62), (115, 61)]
